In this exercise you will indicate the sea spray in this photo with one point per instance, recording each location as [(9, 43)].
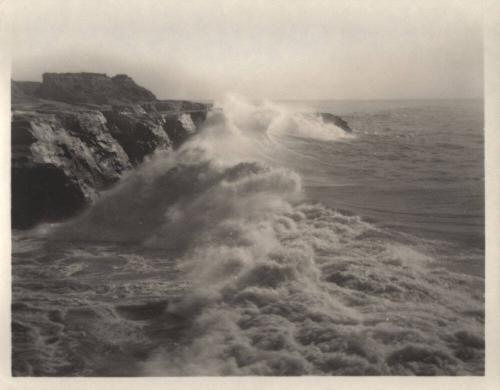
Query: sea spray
[(236, 132), (246, 276), (310, 291)]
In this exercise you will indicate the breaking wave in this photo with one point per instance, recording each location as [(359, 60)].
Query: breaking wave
[(277, 285)]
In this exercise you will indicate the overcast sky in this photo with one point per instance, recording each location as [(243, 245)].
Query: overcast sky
[(261, 49)]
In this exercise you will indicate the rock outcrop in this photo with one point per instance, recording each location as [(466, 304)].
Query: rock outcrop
[(68, 149), (74, 134), (59, 163), (336, 120), (139, 134), (24, 89), (94, 88)]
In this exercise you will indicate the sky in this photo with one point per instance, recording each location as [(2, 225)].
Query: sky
[(328, 49)]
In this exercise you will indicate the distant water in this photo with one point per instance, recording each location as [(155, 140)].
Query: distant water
[(272, 244), (415, 166)]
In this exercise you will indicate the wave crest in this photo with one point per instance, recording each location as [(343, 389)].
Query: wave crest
[(279, 286)]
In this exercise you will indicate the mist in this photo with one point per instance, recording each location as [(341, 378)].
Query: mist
[(277, 50)]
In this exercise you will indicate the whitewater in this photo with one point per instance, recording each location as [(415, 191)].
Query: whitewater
[(271, 243)]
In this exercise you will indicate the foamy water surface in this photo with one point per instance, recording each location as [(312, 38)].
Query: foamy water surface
[(270, 244)]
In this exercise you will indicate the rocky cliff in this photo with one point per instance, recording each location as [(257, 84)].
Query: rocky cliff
[(74, 134), (91, 88)]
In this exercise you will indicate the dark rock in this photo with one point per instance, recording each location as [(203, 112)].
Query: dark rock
[(24, 89), (336, 120), (77, 141), (59, 163), (62, 160), (139, 135), (174, 106), (96, 88), (76, 87), (199, 117), (43, 192), (179, 127), (127, 90)]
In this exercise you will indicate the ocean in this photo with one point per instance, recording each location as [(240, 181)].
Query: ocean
[(271, 243)]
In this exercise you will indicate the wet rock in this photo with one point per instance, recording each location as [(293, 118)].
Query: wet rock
[(336, 120), (74, 134), (139, 135), (179, 127), (59, 163)]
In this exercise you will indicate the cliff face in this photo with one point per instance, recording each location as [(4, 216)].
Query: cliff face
[(59, 163), (92, 88), (24, 89), (74, 134), (64, 154)]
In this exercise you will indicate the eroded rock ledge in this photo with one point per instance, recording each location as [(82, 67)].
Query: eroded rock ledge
[(74, 134)]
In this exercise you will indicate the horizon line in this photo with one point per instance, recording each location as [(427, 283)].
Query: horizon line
[(333, 99)]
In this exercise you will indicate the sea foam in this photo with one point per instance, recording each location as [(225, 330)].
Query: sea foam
[(277, 285)]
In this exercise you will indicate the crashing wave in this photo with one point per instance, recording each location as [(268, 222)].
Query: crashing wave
[(278, 286)]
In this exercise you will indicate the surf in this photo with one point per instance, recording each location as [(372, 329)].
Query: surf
[(240, 273)]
